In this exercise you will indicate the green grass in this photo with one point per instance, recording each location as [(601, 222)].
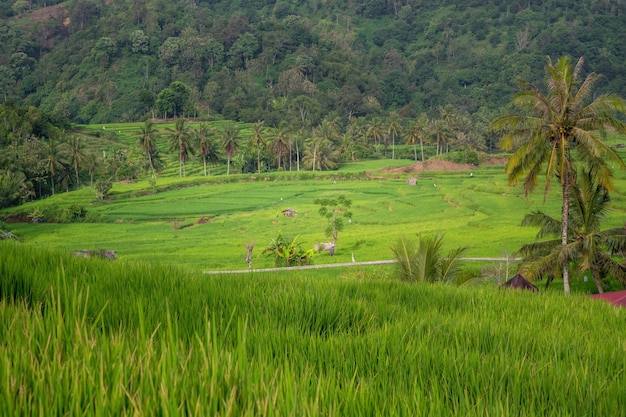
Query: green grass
[(80, 336), (203, 223)]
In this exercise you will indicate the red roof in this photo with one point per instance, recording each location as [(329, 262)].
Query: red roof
[(617, 298)]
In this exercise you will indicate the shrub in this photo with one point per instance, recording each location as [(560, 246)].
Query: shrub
[(288, 252), (423, 262)]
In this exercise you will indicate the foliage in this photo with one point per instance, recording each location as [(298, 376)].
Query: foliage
[(589, 247), (335, 211), (5, 233), (105, 64), (288, 252), (562, 128), (424, 262), (102, 187)]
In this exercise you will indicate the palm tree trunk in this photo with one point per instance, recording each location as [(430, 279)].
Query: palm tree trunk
[(204, 161), (297, 157), (564, 226), (151, 165), (77, 177)]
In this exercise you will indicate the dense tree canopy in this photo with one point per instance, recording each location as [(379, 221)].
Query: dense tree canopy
[(94, 61)]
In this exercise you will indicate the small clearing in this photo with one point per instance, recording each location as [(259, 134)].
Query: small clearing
[(441, 165)]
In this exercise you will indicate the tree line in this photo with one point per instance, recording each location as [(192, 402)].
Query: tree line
[(42, 155)]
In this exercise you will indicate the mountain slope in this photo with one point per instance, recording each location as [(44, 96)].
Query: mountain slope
[(298, 61)]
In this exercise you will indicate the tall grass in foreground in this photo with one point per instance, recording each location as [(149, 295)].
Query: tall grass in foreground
[(95, 338)]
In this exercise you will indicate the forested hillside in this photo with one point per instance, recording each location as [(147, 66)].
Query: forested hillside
[(298, 61)]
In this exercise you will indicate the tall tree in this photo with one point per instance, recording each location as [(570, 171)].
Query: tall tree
[(412, 136), (180, 142), (561, 128), (76, 155), (55, 157), (147, 142), (206, 146), (394, 128), (230, 142), (589, 247), (321, 150), (280, 145), (375, 130), (258, 141)]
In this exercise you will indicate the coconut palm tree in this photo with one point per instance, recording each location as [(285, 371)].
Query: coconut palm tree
[(13, 187), (320, 152), (230, 142), (441, 131), (415, 133), (588, 247), (280, 145), (180, 142), (560, 128), (375, 130), (147, 142), (77, 155), (394, 128), (55, 158), (207, 148), (258, 140)]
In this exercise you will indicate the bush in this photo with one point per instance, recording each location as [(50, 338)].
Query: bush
[(423, 262), (288, 252)]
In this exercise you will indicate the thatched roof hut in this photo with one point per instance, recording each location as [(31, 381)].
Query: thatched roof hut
[(518, 282)]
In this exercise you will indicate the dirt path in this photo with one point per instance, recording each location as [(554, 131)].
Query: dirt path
[(338, 265)]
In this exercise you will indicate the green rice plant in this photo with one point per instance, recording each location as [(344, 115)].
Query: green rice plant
[(108, 338)]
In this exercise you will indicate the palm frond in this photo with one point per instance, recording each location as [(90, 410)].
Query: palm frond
[(405, 254), (450, 265), (548, 226)]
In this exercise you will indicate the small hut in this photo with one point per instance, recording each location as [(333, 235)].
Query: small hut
[(518, 282)]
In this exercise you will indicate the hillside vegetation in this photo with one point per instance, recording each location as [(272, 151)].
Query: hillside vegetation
[(277, 60)]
